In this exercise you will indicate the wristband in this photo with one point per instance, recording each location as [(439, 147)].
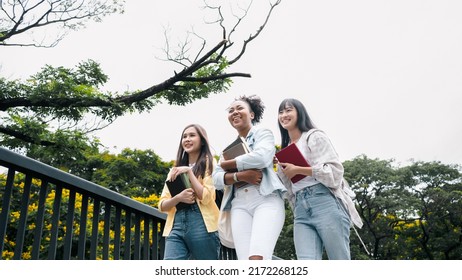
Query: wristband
[(235, 177)]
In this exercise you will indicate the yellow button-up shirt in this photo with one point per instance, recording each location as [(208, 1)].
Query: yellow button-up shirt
[(207, 206)]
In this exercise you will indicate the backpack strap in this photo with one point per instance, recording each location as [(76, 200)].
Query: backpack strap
[(311, 131), (308, 134)]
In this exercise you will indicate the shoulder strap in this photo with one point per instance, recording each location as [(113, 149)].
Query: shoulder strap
[(308, 134), (311, 131)]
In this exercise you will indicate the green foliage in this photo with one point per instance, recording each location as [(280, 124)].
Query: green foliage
[(188, 91), (285, 248), (131, 173), (43, 112), (15, 213), (58, 106), (439, 212), (70, 147), (134, 173), (411, 212)]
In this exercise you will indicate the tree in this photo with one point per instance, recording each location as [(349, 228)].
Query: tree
[(52, 108), (411, 212), (372, 181), (23, 17), (285, 248), (436, 224), (134, 173)]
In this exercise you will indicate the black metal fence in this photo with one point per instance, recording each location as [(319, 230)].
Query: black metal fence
[(49, 214)]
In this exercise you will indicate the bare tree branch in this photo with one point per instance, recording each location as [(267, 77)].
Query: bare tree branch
[(181, 76), (218, 77), (18, 17), (252, 37)]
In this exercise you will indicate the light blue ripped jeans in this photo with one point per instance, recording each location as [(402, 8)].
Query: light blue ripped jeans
[(320, 222)]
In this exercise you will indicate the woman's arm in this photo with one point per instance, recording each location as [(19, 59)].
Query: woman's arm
[(290, 170), (261, 156), (226, 173)]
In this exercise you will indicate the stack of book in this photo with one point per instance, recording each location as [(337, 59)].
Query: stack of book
[(236, 148)]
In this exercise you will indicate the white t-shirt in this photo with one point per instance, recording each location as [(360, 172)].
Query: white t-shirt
[(308, 181)]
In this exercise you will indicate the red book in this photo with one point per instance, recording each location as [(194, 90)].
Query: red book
[(291, 154)]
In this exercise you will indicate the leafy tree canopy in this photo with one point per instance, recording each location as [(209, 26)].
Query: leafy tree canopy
[(56, 108), (410, 212)]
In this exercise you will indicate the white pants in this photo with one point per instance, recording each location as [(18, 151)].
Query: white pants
[(256, 221)]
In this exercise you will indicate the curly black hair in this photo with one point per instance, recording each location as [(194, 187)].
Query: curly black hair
[(256, 106)]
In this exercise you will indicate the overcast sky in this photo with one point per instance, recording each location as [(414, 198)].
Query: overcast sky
[(381, 78)]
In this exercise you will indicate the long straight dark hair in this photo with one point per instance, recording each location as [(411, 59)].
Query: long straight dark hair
[(304, 122), (204, 164)]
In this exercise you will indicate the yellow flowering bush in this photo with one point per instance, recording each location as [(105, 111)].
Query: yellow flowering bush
[(32, 208)]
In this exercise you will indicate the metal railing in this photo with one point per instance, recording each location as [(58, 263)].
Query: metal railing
[(49, 214), (72, 217)]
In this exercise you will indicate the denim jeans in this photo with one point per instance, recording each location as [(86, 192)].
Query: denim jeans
[(320, 222), (189, 238), (256, 221)]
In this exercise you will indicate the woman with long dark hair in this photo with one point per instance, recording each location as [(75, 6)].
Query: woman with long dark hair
[(191, 231), (322, 215)]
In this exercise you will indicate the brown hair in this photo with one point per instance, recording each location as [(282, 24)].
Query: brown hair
[(204, 164)]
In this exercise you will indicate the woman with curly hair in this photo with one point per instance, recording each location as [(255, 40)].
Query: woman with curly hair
[(253, 192)]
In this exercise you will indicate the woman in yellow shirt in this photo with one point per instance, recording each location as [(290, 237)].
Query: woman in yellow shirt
[(191, 231)]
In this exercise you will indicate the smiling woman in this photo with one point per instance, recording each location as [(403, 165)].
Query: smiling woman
[(321, 218), (198, 214), (257, 208)]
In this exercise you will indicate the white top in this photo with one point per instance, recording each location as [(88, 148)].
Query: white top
[(327, 169), (320, 154), (307, 181)]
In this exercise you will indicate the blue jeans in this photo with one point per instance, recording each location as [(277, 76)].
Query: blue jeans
[(189, 238), (320, 222)]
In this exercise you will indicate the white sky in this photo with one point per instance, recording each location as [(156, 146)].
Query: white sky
[(382, 78)]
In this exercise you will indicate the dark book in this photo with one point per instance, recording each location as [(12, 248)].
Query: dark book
[(236, 148), (178, 185), (291, 154)]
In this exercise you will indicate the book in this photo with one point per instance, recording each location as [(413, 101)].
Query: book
[(236, 148), (176, 186), (291, 154)]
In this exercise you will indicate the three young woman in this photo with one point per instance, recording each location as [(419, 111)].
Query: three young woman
[(191, 233), (253, 191)]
